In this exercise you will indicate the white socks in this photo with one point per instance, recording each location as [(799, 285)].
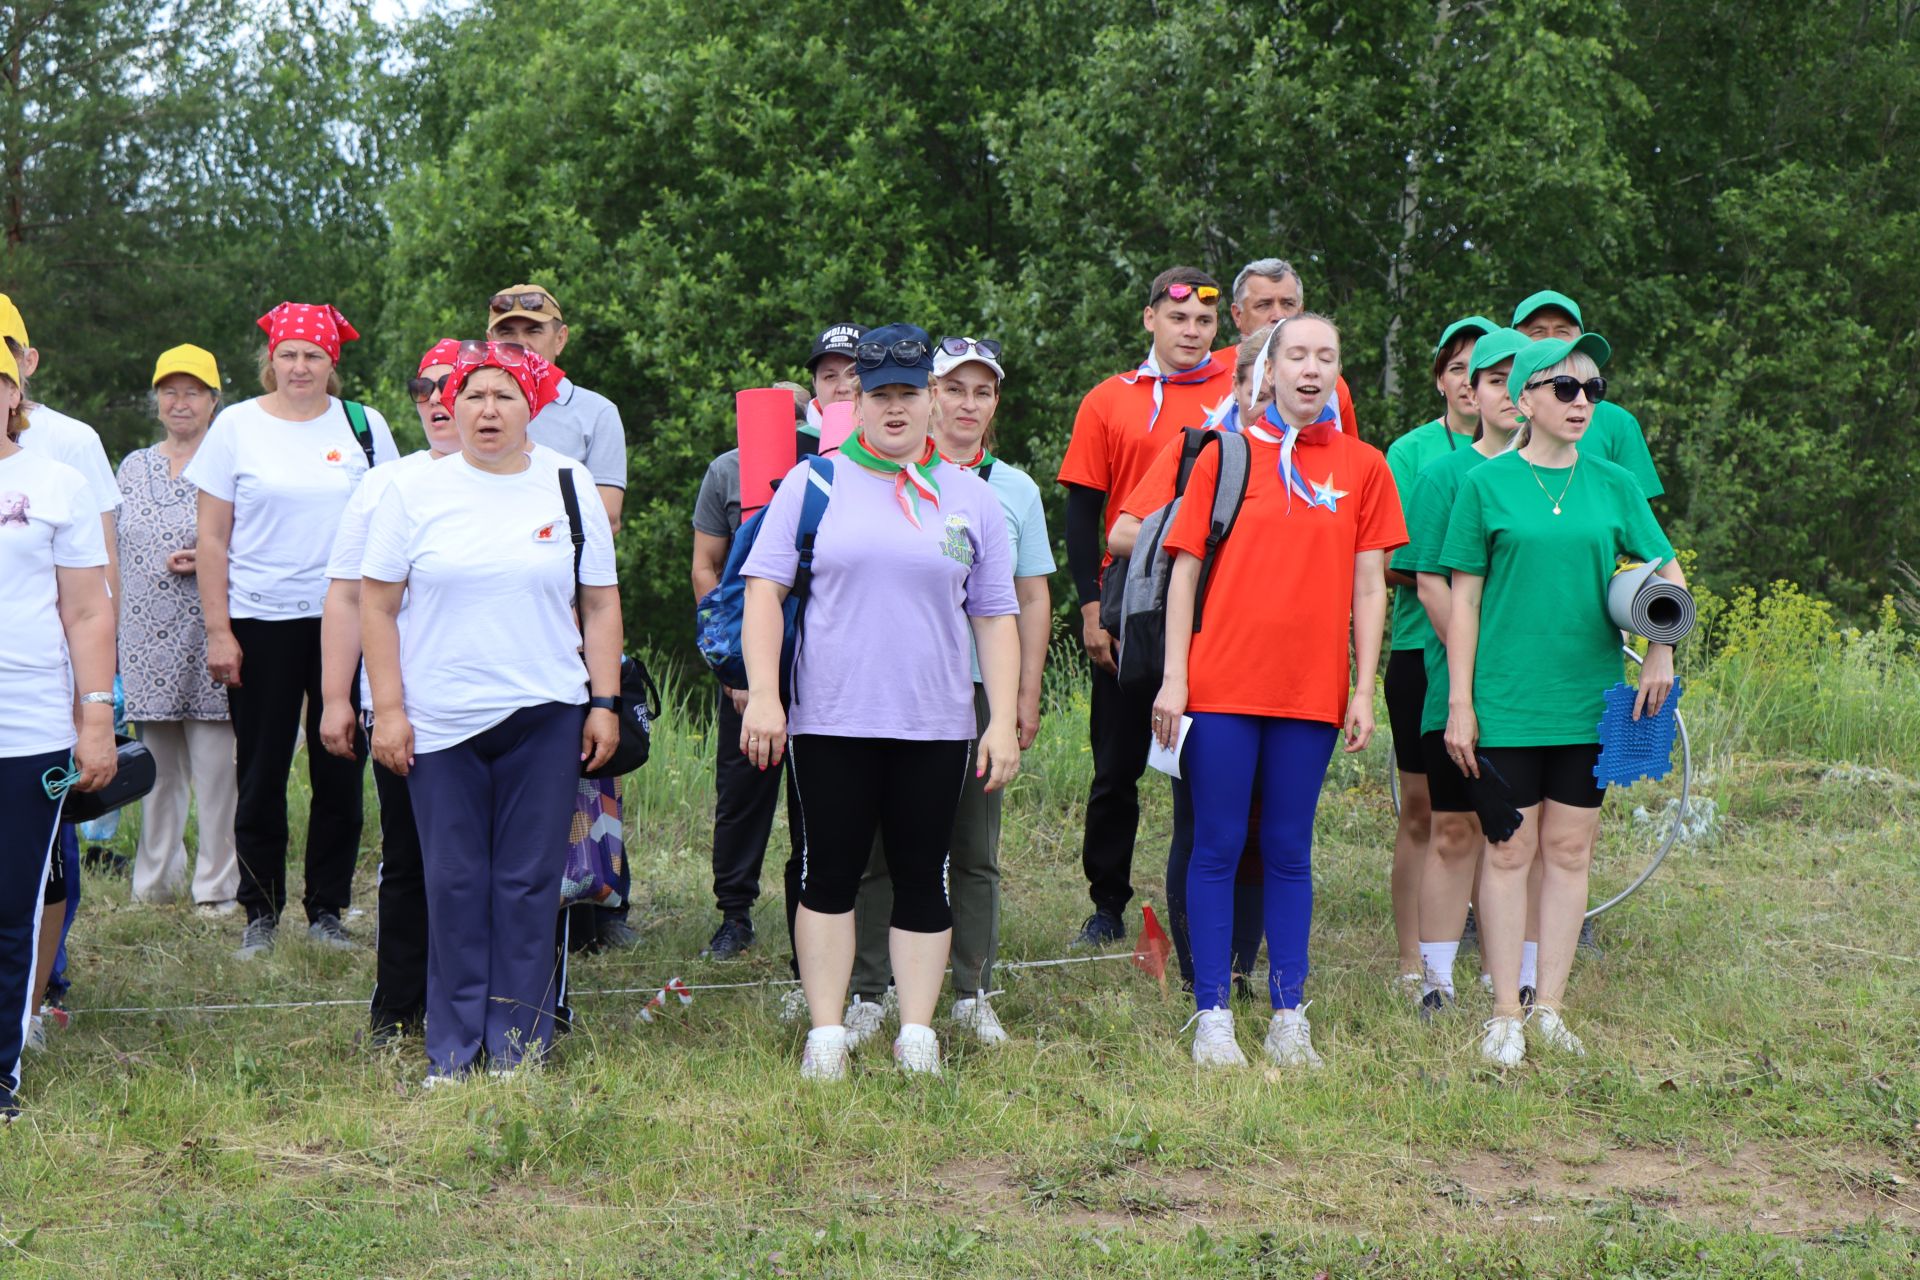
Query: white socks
[(1437, 959), (1529, 964)]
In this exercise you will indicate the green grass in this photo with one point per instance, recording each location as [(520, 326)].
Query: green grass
[(1751, 1106)]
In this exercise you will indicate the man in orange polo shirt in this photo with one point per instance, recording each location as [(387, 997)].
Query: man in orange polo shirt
[(1122, 424)]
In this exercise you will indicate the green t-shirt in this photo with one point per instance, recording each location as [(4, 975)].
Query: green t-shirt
[(1615, 435), (1407, 457), (1548, 652), (1427, 513)]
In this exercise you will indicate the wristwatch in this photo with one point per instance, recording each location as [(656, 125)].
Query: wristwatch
[(85, 698), (605, 704)]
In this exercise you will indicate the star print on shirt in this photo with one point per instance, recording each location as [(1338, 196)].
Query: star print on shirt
[(1325, 495)]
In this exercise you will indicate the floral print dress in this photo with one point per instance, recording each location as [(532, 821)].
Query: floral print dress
[(163, 638)]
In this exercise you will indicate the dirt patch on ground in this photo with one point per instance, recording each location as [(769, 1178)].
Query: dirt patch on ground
[(1772, 1187), (1776, 1188)]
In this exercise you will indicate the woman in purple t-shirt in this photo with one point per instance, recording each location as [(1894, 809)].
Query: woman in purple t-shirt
[(911, 556)]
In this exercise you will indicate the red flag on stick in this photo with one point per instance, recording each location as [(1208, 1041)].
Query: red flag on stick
[(1150, 955)]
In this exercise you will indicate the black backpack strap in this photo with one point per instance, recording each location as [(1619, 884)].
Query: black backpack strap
[(1229, 491), (357, 419), (572, 499), (1193, 442)]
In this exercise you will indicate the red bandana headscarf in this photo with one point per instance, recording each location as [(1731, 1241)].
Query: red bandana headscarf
[(318, 323), (445, 351), (539, 381)]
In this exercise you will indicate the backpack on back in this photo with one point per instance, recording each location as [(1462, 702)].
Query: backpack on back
[(720, 617), (1149, 570)]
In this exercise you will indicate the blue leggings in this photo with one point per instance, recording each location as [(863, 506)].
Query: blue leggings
[(1225, 758)]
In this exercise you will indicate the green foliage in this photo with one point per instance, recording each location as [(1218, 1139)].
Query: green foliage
[(1729, 189)]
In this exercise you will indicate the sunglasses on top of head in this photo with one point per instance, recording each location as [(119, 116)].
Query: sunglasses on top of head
[(1566, 387), (969, 346), (501, 303), (478, 351), (910, 352), (1206, 293), (425, 389)]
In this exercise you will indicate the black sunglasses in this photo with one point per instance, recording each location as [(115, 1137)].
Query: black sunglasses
[(987, 347), (910, 352), (425, 389), (1566, 387)]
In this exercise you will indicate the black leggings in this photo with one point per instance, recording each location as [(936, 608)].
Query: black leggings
[(908, 792)]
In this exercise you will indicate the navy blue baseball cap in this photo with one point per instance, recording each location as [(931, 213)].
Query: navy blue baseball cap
[(894, 355), (837, 339)]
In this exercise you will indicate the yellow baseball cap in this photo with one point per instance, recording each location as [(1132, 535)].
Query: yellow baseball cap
[(9, 368), (534, 301), (196, 362), (12, 323)]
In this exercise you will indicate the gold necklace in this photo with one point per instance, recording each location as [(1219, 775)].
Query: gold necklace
[(1563, 488)]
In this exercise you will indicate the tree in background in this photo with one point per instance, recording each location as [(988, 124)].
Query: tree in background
[(1731, 191)]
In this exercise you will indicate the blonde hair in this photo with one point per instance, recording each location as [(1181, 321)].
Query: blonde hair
[(270, 381), (1249, 350), (1577, 363)]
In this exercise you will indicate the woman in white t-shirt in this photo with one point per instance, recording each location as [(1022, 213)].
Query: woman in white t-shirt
[(56, 633), (274, 477), (483, 704)]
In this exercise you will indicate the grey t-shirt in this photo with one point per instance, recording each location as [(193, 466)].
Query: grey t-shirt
[(716, 512), (585, 426)]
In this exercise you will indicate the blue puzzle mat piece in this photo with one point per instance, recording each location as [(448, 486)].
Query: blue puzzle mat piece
[(1634, 749)]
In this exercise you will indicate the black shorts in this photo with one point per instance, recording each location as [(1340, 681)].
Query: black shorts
[(1561, 774), (1406, 696), (1447, 787)]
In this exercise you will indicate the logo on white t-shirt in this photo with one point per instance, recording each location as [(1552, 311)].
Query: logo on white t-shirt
[(551, 531), (334, 458), (13, 509)]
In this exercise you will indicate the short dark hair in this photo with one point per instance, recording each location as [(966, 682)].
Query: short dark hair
[(1178, 275)]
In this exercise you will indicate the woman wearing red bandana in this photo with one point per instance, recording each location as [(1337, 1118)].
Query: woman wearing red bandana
[(484, 705), (911, 558), (274, 475), (1265, 679)]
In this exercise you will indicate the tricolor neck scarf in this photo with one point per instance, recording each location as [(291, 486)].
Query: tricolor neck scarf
[(1150, 368), (1272, 430), (913, 483)]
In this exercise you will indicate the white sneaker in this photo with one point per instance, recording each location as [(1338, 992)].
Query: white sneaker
[(36, 1034), (438, 1081), (1213, 1042), (1551, 1028), (793, 1006), (825, 1057), (1411, 985), (1506, 1044), (1289, 1040), (863, 1020), (977, 1016), (917, 1049)]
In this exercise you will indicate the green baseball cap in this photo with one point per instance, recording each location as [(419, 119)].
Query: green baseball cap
[(1548, 352), (1478, 324), (1501, 344), (1547, 298)]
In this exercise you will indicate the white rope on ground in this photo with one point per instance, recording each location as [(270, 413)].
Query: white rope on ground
[(766, 983)]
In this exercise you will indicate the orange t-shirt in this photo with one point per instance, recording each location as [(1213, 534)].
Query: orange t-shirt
[(1111, 447), (1154, 489), (1278, 612)]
